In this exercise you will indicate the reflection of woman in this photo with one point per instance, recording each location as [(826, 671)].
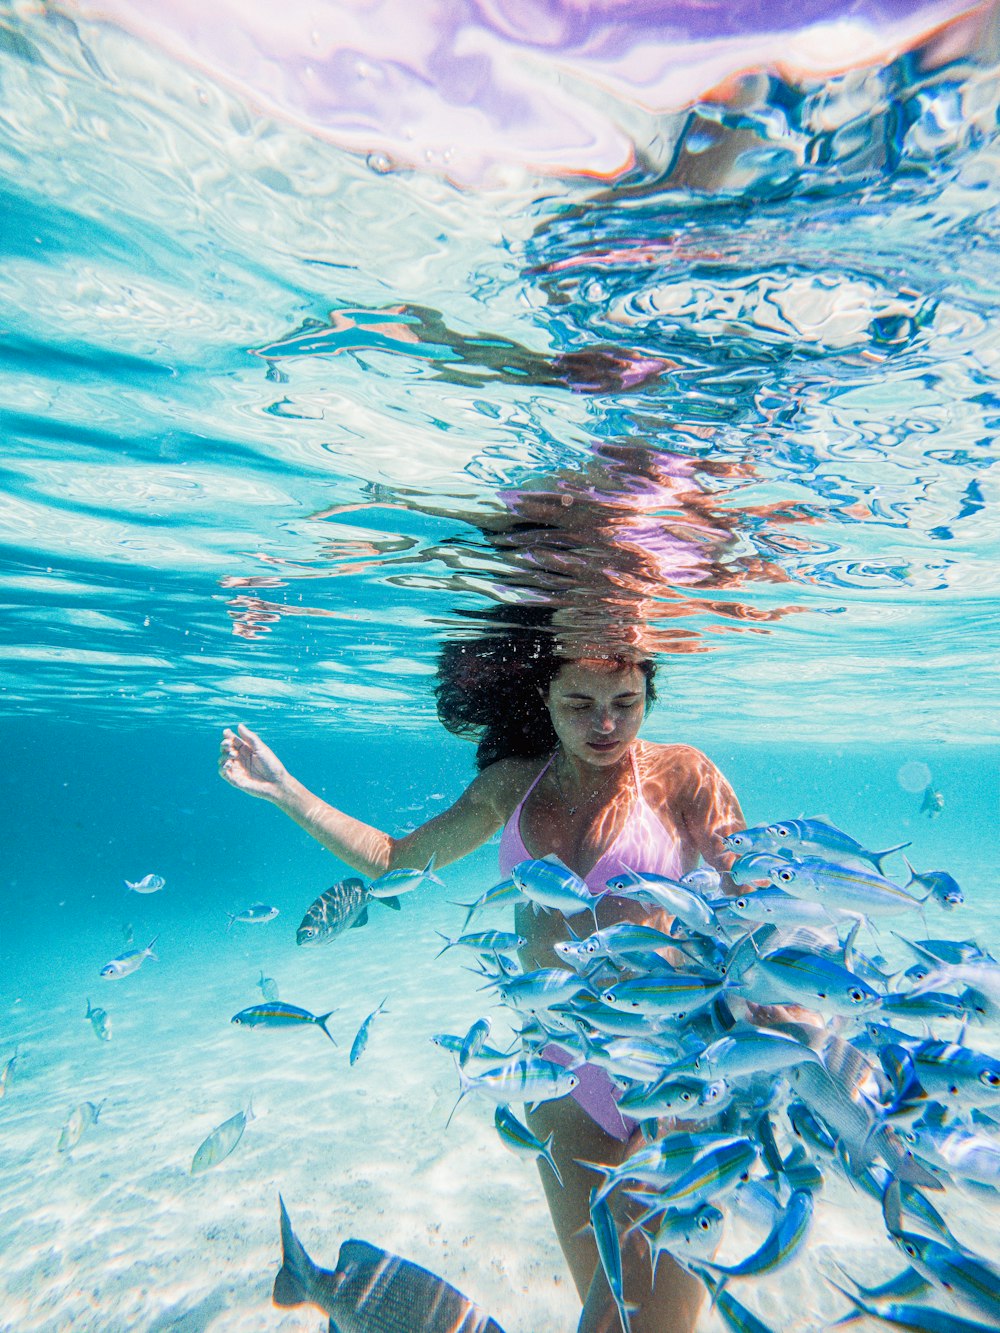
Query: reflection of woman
[(561, 771)]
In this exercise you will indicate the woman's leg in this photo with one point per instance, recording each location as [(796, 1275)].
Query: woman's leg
[(671, 1304)]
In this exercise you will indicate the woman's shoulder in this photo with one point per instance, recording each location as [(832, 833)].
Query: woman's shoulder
[(677, 768), (504, 782), (674, 757)]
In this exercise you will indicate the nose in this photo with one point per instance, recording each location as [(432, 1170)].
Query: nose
[(605, 722)]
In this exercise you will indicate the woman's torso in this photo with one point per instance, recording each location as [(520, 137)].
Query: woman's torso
[(628, 833)]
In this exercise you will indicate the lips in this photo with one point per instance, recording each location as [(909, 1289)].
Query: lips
[(603, 746)]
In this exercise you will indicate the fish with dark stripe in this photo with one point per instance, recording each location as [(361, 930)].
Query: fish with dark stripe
[(371, 1291)]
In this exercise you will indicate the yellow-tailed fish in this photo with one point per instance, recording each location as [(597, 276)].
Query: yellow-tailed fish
[(610, 1254), (780, 1246), (277, 1014), (685, 1233), (130, 961), (403, 879), (361, 1040), (969, 1279), (521, 1141), (736, 1316), (526, 1079)]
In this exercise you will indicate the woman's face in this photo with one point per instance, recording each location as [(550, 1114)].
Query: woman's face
[(597, 708)]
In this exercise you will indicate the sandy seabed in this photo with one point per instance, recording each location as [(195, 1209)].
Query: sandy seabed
[(118, 1236)]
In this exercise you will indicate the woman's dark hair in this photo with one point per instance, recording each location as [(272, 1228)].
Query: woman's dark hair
[(493, 686)]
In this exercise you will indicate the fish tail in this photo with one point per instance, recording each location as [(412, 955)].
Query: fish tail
[(448, 943), (232, 918), (428, 871), (149, 949), (294, 1281), (879, 857), (466, 1084), (321, 1021), (546, 1153)]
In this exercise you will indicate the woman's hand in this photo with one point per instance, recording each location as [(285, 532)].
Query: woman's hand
[(249, 765)]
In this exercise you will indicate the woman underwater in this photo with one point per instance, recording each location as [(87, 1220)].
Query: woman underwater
[(563, 771)]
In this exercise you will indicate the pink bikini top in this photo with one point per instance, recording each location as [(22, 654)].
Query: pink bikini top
[(642, 844)]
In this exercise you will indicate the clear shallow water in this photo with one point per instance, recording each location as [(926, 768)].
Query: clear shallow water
[(275, 420)]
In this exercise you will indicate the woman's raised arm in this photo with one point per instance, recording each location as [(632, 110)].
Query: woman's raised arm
[(249, 765)]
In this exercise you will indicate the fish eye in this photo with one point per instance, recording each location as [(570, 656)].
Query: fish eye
[(856, 995), (741, 904), (780, 830), (704, 1223), (909, 1249), (686, 1097), (989, 1079), (786, 876)]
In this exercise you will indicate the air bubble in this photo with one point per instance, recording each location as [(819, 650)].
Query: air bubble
[(379, 163)]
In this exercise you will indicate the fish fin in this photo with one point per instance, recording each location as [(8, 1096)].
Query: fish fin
[(293, 1281), (392, 901), (448, 944), (546, 1155), (554, 859), (361, 919), (879, 857), (321, 1020), (332, 1327)]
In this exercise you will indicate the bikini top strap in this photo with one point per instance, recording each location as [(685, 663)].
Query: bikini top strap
[(635, 772), (538, 777)]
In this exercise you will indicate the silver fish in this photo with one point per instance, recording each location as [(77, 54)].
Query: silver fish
[(371, 1291), (846, 888), (814, 837), (521, 1141), (402, 880), (257, 914), (938, 885), (550, 884), (7, 1073), (130, 961), (221, 1142), (484, 942), (610, 1254), (80, 1120), (361, 1040), (268, 987), (99, 1021), (798, 975), (277, 1014), (676, 993), (148, 884), (685, 1232), (526, 1079), (781, 1244), (969, 1279)]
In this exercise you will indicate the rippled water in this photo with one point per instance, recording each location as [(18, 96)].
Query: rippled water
[(275, 416), (307, 362)]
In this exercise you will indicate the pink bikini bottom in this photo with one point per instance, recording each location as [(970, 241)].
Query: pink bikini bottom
[(595, 1093)]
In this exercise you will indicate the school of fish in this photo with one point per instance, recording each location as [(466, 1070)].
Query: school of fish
[(765, 1058)]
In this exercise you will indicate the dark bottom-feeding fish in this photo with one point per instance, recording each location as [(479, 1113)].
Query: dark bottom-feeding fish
[(371, 1291)]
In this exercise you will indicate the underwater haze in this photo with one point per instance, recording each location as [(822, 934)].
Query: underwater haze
[(293, 390)]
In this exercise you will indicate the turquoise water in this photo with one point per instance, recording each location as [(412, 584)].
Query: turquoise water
[(278, 415)]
